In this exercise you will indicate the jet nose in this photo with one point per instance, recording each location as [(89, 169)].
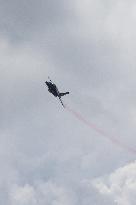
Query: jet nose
[(46, 83)]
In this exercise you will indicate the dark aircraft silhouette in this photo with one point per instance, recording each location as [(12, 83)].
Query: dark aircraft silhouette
[(52, 88)]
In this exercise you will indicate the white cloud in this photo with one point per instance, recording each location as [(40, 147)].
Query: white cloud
[(120, 186), (23, 195), (40, 194)]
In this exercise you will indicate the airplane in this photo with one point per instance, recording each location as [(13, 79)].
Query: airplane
[(52, 88)]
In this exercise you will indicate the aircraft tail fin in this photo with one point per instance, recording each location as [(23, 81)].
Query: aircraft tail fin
[(62, 94)]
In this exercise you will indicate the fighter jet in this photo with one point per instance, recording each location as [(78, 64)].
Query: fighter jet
[(52, 88)]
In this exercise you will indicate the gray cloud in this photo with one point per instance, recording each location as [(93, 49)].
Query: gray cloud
[(46, 155), (21, 20)]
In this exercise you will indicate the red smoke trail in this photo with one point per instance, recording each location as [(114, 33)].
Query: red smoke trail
[(100, 131)]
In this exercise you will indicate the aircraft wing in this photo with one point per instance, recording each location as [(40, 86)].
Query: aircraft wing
[(61, 102)]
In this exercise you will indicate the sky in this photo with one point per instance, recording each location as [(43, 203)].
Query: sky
[(48, 155)]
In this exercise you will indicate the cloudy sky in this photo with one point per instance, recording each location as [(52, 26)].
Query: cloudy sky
[(47, 155)]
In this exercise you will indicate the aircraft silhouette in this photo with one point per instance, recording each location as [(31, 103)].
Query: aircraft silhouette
[(52, 88)]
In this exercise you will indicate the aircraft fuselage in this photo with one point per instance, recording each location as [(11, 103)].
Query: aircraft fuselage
[(52, 88)]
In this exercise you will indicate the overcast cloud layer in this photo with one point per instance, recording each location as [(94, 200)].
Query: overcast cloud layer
[(46, 155)]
